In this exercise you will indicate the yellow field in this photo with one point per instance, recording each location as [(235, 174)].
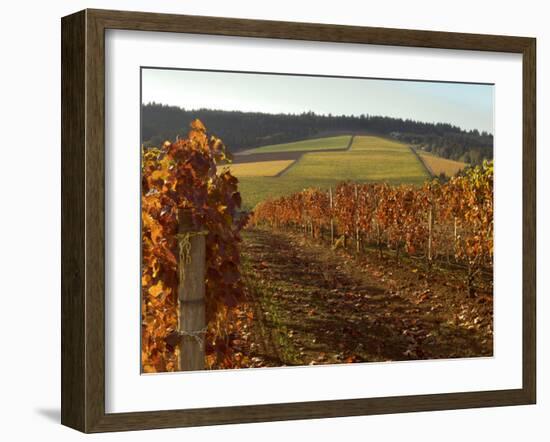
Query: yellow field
[(439, 165), (259, 168)]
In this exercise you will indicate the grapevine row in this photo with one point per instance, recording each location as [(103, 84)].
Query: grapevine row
[(437, 220), (184, 175)]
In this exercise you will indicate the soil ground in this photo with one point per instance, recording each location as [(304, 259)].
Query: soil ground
[(315, 305)]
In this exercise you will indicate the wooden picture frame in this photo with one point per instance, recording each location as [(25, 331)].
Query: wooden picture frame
[(83, 220)]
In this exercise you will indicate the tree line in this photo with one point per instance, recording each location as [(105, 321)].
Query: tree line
[(244, 130)]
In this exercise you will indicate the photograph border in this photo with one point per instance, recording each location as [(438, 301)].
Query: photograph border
[(83, 219)]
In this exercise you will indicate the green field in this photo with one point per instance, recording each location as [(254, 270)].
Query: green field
[(371, 144), (328, 143), (370, 159)]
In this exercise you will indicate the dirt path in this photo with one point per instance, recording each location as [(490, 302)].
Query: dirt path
[(313, 305)]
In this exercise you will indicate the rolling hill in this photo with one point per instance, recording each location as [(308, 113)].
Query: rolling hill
[(319, 164)]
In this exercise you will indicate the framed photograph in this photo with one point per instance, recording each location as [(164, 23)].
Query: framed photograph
[(268, 220)]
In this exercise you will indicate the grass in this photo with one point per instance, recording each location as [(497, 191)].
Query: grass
[(370, 159), (259, 168), (316, 144), (439, 165), (372, 144), (393, 164)]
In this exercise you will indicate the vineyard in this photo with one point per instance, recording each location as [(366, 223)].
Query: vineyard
[(348, 272), (436, 221)]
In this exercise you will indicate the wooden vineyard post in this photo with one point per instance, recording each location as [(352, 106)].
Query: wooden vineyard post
[(455, 238), (331, 218), (357, 239), (430, 233), (378, 241), (191, 291)]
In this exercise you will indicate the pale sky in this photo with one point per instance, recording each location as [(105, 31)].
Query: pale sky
[(469, 106)]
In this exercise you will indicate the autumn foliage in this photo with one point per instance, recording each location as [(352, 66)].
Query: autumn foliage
[(185, 174), (438, 220)]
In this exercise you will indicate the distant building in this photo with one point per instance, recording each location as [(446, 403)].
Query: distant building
[(395, 134)]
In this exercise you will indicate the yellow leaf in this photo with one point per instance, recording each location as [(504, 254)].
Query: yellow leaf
[(159, 175), (156, 289), (197, 125), (145, 279)]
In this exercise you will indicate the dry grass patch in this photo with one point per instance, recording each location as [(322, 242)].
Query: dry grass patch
[(260, 168), (438, 165)]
